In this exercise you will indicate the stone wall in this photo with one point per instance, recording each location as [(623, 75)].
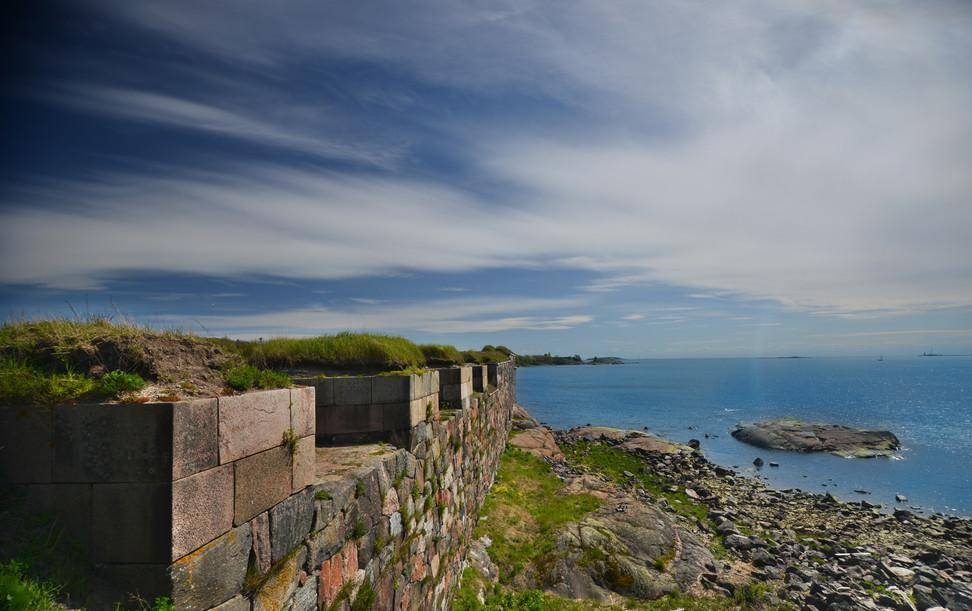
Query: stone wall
[(139, 486), (381, 526), (384, 407), (227, 504)]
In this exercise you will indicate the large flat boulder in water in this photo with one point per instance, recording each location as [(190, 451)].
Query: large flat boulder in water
[(798, 436)]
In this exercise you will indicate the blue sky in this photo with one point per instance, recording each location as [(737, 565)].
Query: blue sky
[(640, 179)]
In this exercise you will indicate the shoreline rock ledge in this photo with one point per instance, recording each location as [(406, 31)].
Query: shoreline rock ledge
[(793, 435)]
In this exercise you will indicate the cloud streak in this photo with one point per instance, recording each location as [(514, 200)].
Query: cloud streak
[(812, 154)]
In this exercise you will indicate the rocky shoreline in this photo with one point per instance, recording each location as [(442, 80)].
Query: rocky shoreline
[(810, 550)]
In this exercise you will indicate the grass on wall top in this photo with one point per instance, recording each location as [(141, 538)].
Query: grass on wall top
[(346, 350)]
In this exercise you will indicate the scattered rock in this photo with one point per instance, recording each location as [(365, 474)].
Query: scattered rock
[(758, 462)]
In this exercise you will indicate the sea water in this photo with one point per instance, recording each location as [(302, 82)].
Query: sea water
[(925, 401)]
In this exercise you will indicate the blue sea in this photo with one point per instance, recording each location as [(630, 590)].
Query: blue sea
[(925, 401)]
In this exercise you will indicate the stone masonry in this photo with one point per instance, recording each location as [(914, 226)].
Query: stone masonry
[(227, 504)]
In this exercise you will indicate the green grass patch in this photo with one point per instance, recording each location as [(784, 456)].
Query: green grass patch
[(523, 511), (498, 597), (489, 354), (247, 377), (441, 355), (613, 462), (116, 382), (22, 384), (342, 351), (20, 591)]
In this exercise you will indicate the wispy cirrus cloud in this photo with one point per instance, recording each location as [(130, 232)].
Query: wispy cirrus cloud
[(485, 314), (810, 154), (187, 114)]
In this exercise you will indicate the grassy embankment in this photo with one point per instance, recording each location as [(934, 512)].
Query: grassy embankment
[(55, 361), (525, 508)]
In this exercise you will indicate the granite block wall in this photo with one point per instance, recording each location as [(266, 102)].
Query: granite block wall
[(142, 485), (226, 503), (391, 534), (455, 386), (384, 407)]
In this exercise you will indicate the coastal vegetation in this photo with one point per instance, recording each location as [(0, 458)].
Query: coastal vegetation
[(524, 509), (96, 358)]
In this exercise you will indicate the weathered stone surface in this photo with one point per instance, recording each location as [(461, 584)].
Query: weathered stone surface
[(194, 436), (352, 391), (237, 603), (303, 464), (797, 436), (262, 481), (538, 441), (391, 389), (343, 419), (131, 523), (70, 504), (113, 443), (328, 541), (302, 410), (25, 445), (290, 523), (278, 589), (202, 508), (111, 583), (214, 574), (305, 598), (335, 572), (252, 422), (260, 530)]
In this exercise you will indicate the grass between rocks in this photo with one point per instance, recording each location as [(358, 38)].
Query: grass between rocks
[(613, 462), (498, 597), (523, 511)]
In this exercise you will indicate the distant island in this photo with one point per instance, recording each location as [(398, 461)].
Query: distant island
[(530, 360)]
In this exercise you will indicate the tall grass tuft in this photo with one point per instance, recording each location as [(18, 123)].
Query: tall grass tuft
[(440, 354), (341, 351)]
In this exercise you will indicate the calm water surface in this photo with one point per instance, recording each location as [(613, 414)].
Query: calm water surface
[(926, 402)]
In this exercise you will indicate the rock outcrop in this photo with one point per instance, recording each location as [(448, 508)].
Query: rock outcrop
[(798, 436)]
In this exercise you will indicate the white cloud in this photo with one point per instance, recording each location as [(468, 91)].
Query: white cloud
[(485, 314), (633, 317), (150, 107), (811, 153)]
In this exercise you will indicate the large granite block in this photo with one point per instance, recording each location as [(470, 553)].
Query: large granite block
[(323, 390), (214, 574), (396, 416), (194, 436), (252, 422), (480, 377), (391, 389), (113, 443), (202, 509), (304, 463), (112, 584), (262, 481), (131, 523), (302, 410), (25, 445), (290, 523), (68, 504), (341, 419), (352, 391), (425, 384)]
